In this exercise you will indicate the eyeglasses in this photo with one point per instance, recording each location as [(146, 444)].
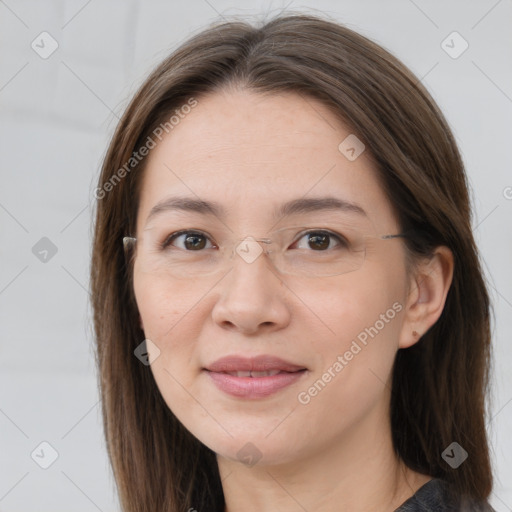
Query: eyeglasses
[(297, 251)]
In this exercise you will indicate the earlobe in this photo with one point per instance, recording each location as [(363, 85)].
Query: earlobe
[(429, 289)]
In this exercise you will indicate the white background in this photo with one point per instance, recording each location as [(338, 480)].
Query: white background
[(56, 118)]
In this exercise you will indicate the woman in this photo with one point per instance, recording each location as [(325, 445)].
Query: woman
[(289, 306)]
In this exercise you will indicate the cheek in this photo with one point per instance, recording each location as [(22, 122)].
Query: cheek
[(349, 306), (360, 323), (171, 315), (166, 307)]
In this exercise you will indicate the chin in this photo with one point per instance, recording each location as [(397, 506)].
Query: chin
[(258, 452), (254, 446)]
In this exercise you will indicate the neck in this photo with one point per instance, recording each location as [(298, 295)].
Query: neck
[(360, 473)]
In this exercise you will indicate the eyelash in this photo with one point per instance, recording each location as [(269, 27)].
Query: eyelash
[(342, 241)]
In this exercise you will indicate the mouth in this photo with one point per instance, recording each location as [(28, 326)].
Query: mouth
[(255, 374), (252, 378)]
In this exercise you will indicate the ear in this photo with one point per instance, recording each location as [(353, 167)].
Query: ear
[(428, 289)]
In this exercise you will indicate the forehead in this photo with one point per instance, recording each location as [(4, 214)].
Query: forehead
[(252, 152)]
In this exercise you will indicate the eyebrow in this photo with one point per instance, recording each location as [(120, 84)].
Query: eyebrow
[(293, 207)]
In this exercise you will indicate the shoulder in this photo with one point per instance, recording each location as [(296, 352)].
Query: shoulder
[(435, 496)]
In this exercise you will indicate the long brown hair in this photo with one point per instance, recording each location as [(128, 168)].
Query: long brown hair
[(439, 385)]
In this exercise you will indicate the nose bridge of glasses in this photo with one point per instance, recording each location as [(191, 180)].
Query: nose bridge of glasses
[(250, 248)]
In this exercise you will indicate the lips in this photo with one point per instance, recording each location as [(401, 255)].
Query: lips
[(256, 377), (267, 373), (257, 364)]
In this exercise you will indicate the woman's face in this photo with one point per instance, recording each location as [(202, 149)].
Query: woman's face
[(333, 339)]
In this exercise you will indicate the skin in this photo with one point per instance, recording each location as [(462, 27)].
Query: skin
[(251, 152)]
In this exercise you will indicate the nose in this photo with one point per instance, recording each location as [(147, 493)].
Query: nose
[(252, 298)]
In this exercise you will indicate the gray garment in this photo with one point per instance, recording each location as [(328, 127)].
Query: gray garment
[(435, 496)]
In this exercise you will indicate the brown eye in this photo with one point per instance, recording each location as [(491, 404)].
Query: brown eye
[(321, 241), (187, 240)]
